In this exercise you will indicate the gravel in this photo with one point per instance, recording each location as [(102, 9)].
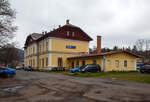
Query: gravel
[(48, 87)]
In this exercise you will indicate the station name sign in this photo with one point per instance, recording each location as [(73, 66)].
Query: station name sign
[(70, 47)]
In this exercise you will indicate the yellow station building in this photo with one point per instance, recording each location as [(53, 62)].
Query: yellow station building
[(68, 47)]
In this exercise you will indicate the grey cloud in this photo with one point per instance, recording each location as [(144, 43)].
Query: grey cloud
[(120, 22)]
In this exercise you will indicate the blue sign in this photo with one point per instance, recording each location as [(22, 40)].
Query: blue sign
[(71, 47)]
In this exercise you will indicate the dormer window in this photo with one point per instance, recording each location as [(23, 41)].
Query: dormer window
[(72, 34), (67, 33)]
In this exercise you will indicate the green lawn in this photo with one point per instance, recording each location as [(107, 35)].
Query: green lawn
[(127, 76)]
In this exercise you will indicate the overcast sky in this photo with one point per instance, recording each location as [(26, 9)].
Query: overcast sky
[(119, 22)]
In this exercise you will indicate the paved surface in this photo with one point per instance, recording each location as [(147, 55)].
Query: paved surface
[(47, 87)]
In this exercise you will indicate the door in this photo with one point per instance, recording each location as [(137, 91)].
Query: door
[(83, 63), (60, 62), (72, 64)]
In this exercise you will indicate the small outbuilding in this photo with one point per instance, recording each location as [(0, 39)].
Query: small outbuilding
[(122, 60), (108, 61)]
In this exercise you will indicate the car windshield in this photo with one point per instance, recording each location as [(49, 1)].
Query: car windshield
[(2, 68), (89, 66), (82, 67), (147, 66)]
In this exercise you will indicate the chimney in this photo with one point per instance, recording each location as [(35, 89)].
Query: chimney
[(43, 33), (67, 21), (59, 26), (98, 44)]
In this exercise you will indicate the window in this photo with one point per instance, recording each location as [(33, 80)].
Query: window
[(47, 61), (43, 62), (43, 46), (33, 62), (117, 63), (72, 34), (40, 62), (125, 63), (67, 33), (33, 50), (83, 63), (77, 64), (27, 53), (72, 64), (59, 62), (46, 45), (109, 62), (40, 47), (94, 61), (29, 63)]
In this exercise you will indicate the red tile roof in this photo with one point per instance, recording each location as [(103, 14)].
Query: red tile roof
[(106, 53)]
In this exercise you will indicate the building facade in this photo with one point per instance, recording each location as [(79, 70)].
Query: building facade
[(49, 50), (108, 61), (68, 47)]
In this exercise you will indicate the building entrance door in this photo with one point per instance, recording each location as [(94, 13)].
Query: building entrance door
[(60, 62), (72, 64)]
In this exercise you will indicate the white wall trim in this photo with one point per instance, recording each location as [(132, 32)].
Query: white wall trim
[(50, 45), (50, 61), (103, 63), (88, 49), (67, 39), (135, 63)]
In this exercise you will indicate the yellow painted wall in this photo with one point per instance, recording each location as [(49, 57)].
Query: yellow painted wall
[(40, 62), (43, 45), (30, 54), (88, 60), (60, 45), (109, 67), (55, 57), (121, 57)]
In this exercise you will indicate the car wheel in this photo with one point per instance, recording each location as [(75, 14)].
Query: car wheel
[(142, 72), (5, 75)]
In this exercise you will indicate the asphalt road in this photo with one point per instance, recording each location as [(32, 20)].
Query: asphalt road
[(48, 87)]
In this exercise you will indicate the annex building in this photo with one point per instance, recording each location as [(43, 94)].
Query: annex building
[(68, 47)]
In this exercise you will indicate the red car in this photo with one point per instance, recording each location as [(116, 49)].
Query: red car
[(145, 69)]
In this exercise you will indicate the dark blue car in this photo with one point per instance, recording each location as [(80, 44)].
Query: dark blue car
[(5, 72)]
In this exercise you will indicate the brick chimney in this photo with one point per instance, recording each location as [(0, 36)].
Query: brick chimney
[(98, 44), (59, 26), (67, 21)]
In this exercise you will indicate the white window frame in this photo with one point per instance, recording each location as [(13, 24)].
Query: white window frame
[(68, 33), (73, 34)]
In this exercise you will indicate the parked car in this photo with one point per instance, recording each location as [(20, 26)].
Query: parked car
[(18, 68), (91, 68), (58, 69), (139, 65), (78, 69), (28, 68), (5, 72), (145, 69)]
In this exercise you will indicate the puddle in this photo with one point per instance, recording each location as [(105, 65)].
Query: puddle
[(12, 89)]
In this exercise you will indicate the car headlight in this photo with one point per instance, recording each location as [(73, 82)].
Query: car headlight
[(83, 69)]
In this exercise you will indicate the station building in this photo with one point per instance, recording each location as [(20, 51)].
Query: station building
[(68, 47)]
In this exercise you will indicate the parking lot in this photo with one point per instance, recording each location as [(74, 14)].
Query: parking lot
[(49, 87)]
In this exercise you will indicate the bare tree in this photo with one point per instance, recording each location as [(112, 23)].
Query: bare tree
[(140, 44), (7, 16), (9, 55), (147, 45)]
